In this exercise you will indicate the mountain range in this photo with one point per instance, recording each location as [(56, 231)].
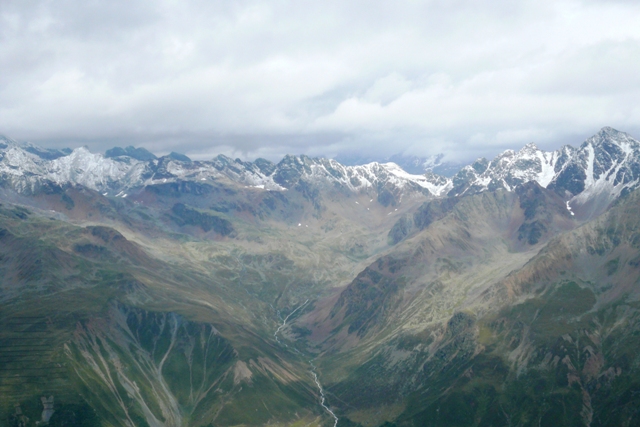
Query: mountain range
[(160, 291), (595, 173)]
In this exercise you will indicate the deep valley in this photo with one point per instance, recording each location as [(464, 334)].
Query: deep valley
[(145, 291)]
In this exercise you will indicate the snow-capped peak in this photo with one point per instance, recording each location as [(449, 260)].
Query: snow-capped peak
[(602, 168)]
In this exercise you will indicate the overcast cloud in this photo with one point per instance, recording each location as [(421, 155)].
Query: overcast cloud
[(266, 78)]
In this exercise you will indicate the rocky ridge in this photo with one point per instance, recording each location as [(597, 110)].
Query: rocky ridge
[(592, 175), (194, 296), (27, 168)]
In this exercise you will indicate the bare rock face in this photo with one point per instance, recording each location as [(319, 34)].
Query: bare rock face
[(590, 177), (27, 169), (169, 292)]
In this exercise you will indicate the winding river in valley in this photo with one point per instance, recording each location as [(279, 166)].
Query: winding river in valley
[(313, 369)]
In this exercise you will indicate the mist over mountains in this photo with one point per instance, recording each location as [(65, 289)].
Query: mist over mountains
[(602, 168), (416, 165), (163, 291)]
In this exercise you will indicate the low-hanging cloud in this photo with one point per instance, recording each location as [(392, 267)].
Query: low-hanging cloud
[(256, 78)]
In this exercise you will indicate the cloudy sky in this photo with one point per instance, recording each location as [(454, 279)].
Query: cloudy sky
[(253, 78)]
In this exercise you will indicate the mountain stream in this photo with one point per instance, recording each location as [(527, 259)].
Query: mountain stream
[(313, 367), (284, 322), (322, 398)]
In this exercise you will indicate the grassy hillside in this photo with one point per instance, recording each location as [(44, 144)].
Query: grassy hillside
[(209, 304), (466, 325)]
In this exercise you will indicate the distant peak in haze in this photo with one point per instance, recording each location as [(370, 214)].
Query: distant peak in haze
[(416, 165), (142, 154), (139, 153), (179, 157)]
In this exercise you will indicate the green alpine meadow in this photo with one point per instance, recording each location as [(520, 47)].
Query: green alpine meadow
[(144, 291)]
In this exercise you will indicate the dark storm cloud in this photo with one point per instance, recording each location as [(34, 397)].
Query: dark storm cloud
[(256, 78)]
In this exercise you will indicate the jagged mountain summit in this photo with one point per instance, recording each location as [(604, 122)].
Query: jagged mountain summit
[(144, 291), (589, 177), (26, 168)]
